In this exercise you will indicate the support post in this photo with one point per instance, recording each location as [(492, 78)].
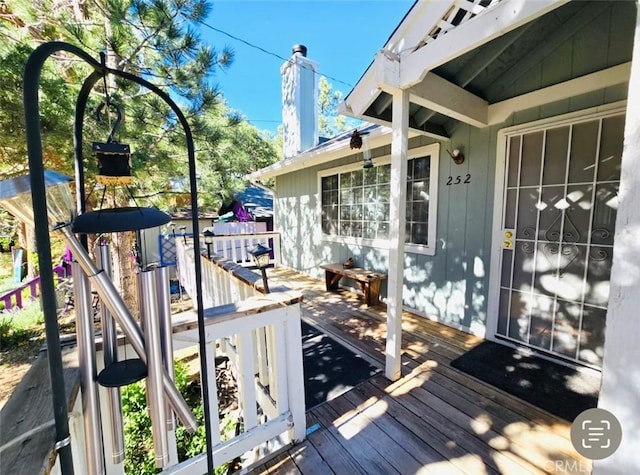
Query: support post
[(620, 390), (397, 218)]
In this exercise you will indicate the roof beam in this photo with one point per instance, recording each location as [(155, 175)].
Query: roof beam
[(500, 111), (486, 56), (427, 129), (440, 95), (383, 103), (587, 12), (367, 90), (382, 74), (418, 22), (504, 17)]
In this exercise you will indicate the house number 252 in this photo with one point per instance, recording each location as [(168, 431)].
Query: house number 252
[(457, 180)]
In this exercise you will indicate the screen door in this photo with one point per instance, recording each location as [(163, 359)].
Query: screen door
[(558, 221)]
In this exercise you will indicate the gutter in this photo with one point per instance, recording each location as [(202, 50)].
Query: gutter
[(378, 137)]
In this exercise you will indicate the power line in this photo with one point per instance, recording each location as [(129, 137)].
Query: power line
[(271, 53)]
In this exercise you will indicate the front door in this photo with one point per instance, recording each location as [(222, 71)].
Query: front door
[(555, 230)]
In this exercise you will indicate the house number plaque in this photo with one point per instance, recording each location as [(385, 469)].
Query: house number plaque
[(459, 180)]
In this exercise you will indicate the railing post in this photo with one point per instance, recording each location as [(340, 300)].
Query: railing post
[(293, 346), (7, 301), (214, 421), (18, 295), (246, 388), (33, 287), (262, 338)]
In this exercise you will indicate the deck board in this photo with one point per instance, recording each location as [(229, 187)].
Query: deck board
[(27, 431), (351, 440), (352, 418), (435, 419), (335, 456)]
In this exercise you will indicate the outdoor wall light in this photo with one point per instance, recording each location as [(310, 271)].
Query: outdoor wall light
[(457, 156), (261, 257), (183, 230), (358, 141), (208, 240)]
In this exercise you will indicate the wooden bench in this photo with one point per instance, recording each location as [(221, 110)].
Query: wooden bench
[(368, 281)]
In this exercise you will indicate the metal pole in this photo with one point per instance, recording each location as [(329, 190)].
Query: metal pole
[(265, 284), (34, 147), (110, 353), (48, 297), (93, 446), (155, 367), (166, 330), (109, 296)]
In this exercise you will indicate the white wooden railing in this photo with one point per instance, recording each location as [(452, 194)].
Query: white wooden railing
[(236, 247), (261, 335)]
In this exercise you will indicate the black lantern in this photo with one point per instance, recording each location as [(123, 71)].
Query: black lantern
[(261, 256), (208, 240)]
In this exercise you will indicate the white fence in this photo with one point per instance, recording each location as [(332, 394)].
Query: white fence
[(261, 335), (236, 247)]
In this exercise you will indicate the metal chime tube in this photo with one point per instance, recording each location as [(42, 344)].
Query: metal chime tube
[(166, 330), (110, 351), (109, 296), (94, 449), (155, 367)]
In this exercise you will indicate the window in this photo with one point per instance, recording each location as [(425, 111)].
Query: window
[(355, 201)]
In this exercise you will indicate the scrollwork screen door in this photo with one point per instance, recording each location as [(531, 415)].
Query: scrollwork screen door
[(558, 222)]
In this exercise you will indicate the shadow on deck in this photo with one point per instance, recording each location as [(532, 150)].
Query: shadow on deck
[(435, 419)]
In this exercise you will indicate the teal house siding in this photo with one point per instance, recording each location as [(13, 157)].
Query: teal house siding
[(452, 285)]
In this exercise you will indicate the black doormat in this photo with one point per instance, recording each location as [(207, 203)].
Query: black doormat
[(330, 369), (556, 388)]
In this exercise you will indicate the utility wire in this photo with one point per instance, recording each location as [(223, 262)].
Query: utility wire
[(271, 53), (147, 70)]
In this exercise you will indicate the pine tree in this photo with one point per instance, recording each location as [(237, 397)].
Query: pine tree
[(155, 39)]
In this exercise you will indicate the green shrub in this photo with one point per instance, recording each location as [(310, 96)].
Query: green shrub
[(137, 426), (21, 327)]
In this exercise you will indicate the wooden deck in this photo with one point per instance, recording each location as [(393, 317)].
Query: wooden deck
[(435, 419)]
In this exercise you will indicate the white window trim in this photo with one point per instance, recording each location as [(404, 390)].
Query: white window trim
[(429, 249)]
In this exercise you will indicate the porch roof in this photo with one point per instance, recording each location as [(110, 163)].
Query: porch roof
[(469, 62)]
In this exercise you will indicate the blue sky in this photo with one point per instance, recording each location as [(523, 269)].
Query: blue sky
[(342, 36)]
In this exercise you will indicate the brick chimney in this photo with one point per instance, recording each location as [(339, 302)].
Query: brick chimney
[(299, 102)]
